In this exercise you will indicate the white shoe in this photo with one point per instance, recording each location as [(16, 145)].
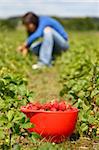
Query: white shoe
[(38, 66)]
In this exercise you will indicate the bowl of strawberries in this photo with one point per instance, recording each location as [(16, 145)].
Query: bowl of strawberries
[(55, 121)]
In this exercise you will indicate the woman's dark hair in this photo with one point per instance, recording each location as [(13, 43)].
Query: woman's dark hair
[(30, 17)]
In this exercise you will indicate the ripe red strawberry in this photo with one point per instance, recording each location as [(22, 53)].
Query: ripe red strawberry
[(62, 106), (68, 106), (38, 105), (47, 106), (55, 105), (41, 109), (53, 109), (31, 106), (34, 108)]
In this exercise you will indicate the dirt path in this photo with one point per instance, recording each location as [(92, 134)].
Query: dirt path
[(45, 83)]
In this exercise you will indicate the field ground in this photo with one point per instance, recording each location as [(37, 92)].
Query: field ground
[(45, 83)]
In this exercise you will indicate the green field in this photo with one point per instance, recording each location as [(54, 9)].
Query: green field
[(74, 77)]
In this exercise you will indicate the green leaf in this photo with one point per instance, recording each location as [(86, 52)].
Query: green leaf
[(16, 146), (9, 125), (17, 128), (91, 119), (35, 135), (84, 119), (84, 127), (23, 119), (1, 84), (7, 77), (2, 104), (94, 92), (2, 134), (3, 119), (27, 125), (79, 103), (10, 115), (97, 101)]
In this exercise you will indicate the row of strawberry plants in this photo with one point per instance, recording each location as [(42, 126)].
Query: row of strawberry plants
[(80, 84), (13, 123)]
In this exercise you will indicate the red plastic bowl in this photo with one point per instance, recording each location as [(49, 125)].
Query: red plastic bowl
[(53, 126)]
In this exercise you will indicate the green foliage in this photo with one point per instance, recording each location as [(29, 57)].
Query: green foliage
[(10, 23), (13, 123), (80, 82), (10, 58), (80, 24)]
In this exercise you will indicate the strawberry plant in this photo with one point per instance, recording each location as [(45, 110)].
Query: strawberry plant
[(13, 123), (80, 80), (79, 76)]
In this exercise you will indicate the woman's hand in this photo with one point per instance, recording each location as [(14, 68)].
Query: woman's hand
[(20, 48), (23, 49)]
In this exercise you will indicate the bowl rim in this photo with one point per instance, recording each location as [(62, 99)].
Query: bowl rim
[(24, 110)]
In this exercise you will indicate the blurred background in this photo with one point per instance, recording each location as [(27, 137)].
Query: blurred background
[(73, 14)]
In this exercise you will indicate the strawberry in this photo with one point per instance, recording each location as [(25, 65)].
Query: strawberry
[(53, 109), (68, 106), (51, 106), (38, 105), (62, 106), (34, 108), (55, 105), (41, 109), (47, 106), (31, 106)]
